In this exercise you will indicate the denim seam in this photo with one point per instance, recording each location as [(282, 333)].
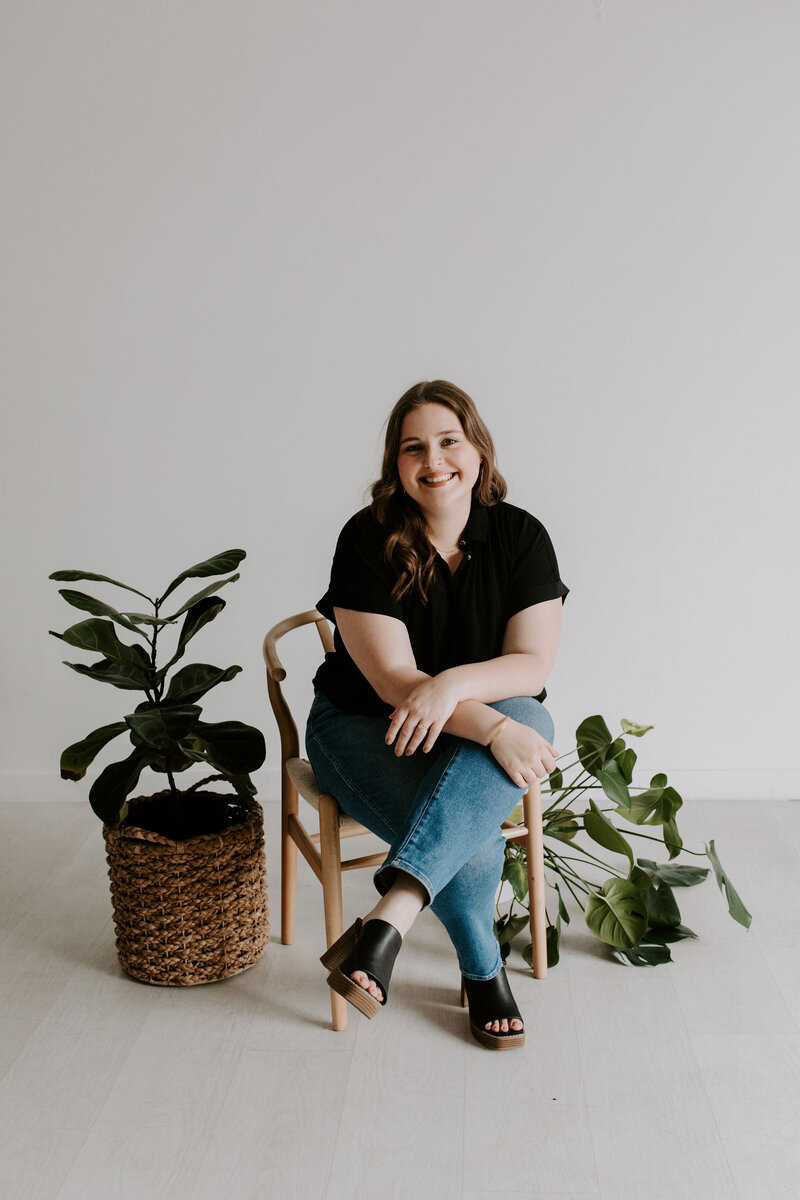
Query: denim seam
[(349, 782)]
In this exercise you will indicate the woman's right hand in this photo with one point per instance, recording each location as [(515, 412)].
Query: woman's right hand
[(523, 753)]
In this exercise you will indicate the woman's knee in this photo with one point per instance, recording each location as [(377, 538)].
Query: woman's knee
[(528, 711)]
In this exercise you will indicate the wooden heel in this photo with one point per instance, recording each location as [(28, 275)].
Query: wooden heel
[(338, 952)]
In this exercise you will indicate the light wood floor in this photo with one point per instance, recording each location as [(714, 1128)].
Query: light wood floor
[(681, 1081)]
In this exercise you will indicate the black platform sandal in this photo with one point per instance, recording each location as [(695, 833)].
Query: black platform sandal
[(491, 1000), (371, 947)]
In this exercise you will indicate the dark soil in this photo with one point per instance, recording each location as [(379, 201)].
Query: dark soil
[(193, 814)]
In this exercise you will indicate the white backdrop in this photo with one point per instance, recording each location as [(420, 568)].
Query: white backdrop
[(236, 232)]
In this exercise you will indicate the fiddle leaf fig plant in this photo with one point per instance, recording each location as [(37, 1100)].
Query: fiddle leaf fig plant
[(634, 911), (165, 730)]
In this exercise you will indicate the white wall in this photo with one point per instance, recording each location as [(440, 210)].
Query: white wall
[(236, 232)]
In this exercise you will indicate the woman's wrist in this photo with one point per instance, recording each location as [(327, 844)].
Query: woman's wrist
[(496, 734)]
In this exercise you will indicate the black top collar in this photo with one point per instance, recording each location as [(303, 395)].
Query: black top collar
[(477, 527)]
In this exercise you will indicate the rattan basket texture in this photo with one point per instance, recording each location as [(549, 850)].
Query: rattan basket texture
[(193, 911)]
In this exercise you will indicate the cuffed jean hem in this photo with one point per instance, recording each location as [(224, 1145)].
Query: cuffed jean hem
[(485, 978), (383, 882)]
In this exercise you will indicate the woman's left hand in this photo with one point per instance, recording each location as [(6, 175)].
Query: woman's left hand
[(421, 716)]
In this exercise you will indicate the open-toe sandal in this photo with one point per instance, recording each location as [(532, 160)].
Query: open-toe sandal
[(371, 947), (491, 1000)]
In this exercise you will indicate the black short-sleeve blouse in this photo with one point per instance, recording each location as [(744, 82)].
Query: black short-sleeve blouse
[(508, 564)]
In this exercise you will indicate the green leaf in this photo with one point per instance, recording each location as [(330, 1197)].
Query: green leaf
[(678, 875), (560, 823), (243, 785), (600, 830), (230, 746), (593, 739), (651, 950), (220, 564), (207, 591), (553, 937), (613, 782), (617, 914), (195, 679), (671, 933), (162, 727), (146, 619), (658, 781), (555, 780), (640, 879), (633, 729), (74, 576), (178, 761), (672, 839), (735, 906), (99, 636), (627, 761), (515, 872), (516, 816), (643, 954), (196, 617), (653, 806), (109, 791), (98, 608), (562, 908), (511, 928), (121, 675), (662, 908), (77, 757)]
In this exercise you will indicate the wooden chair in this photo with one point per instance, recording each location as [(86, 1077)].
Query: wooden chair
[(322, 850)]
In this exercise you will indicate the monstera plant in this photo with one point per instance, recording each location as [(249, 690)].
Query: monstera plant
[(164, 731), (634, 910)]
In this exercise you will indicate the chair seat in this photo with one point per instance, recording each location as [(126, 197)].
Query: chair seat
[(302, 776)]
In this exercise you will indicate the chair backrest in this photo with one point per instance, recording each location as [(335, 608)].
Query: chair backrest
[(276, 674)]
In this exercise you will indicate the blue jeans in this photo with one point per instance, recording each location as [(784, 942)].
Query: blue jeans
[(440, 813)]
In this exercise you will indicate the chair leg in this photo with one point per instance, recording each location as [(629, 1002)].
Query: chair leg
[(288, 867), (532, 808), (331, 861)]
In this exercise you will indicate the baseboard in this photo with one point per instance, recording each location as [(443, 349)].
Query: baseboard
[(746, 783), (708, 783)]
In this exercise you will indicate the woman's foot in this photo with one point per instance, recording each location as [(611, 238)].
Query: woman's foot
[(400, 907), (494, 1018), (368, 950)]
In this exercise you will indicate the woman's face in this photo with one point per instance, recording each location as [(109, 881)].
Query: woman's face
[(437, 466)]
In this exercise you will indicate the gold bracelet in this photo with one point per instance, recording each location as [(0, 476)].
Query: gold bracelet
[(497, 732)]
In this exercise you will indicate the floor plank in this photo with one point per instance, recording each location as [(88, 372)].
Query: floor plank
[(678, 1081)]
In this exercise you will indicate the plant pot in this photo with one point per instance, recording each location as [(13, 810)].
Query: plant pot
[(189, 911)]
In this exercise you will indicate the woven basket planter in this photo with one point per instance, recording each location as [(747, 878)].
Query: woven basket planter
[(192, 911)]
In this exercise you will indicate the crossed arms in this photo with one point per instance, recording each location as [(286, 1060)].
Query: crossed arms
[(457, 699)]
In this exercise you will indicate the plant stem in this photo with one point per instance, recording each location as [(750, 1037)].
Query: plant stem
[(158, 690), (559, 864), (648, 837), (574, 897), (588, 854)]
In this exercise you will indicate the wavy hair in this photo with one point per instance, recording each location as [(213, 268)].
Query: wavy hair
[(408, 549)]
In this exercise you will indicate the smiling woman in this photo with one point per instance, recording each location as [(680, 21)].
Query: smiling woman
[(446, 602)]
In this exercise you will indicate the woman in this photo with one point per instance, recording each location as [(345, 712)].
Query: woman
[(447, 610)]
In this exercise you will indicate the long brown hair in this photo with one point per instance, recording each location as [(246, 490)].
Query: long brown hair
[(408, 549)]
